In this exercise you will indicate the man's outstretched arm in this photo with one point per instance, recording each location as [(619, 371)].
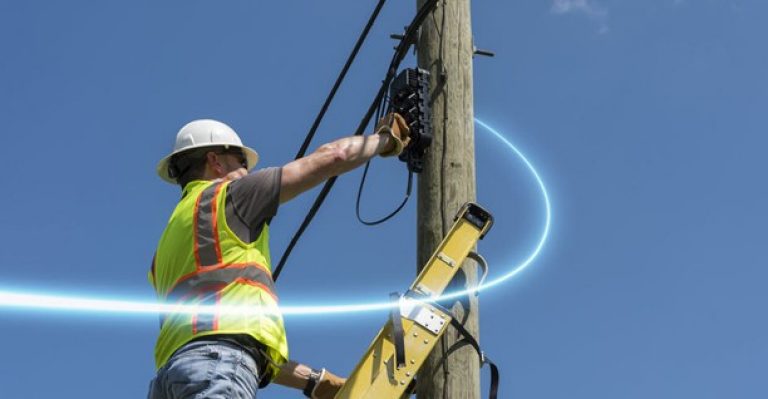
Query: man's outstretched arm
[(341, 156)]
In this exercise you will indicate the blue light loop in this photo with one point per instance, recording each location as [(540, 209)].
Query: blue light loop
[(53, 302)]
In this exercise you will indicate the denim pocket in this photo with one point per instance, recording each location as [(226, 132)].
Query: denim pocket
[(190, 372), (188, 390)]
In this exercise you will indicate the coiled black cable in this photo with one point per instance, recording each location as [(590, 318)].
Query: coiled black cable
[(408, 189)]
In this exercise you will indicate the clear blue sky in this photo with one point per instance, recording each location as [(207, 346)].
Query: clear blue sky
[(646, 119)]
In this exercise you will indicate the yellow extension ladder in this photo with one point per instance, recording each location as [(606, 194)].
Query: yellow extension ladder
[(403, 344)]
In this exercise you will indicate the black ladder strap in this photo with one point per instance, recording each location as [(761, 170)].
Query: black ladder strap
[(398, 334), (483, 358)]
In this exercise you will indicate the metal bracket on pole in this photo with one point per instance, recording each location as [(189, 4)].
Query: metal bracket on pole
[(400, 37), (485, 53)]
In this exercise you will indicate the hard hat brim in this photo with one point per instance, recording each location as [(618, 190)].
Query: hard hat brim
[(251, 157)]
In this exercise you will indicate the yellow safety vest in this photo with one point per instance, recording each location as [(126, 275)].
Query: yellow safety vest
[(199, 260)]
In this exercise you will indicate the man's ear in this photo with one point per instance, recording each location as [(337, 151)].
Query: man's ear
[(213, 162)]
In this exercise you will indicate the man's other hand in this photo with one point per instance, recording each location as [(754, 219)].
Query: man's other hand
[(328, 386)]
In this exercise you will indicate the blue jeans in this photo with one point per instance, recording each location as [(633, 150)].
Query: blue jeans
[(207, 369)]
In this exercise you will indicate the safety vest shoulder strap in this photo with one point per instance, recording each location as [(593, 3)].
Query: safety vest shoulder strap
[(207, 246)]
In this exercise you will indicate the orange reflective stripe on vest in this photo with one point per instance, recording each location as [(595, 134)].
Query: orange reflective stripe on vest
[(221, 276), (203, 289)]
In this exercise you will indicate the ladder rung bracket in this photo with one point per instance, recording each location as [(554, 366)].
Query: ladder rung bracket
[(377, 375)]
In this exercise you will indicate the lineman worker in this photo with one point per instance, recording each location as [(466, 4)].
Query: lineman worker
[(215, 251)]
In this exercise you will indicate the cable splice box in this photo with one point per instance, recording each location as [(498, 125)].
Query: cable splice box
[(409, 97)]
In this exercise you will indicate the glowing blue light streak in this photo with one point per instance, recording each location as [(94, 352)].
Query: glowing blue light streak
[(547, 210), (69, 303)]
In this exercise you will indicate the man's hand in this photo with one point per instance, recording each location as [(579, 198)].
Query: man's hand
[(394, 126), (328, 385)]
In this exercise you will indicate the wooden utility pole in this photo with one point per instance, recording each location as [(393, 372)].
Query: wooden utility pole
[(445, 49)]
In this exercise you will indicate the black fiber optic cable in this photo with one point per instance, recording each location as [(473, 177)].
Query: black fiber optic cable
[(400, 53), (360, 40)]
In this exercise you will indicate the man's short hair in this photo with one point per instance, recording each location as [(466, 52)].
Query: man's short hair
[(190, 165)]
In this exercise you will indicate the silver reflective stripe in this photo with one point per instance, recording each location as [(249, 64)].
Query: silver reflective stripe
[(214, 280), (205, 234), (206, 321)]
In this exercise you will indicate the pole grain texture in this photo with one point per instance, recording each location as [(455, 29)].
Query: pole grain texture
[(445, 48)]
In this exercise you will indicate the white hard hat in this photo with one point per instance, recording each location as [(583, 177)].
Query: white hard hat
[(205, 133)]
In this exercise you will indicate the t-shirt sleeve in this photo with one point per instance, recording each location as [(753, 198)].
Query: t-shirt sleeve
[(256, 196)]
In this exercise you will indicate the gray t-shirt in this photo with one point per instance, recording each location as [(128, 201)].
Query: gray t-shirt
[(252, 201)]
